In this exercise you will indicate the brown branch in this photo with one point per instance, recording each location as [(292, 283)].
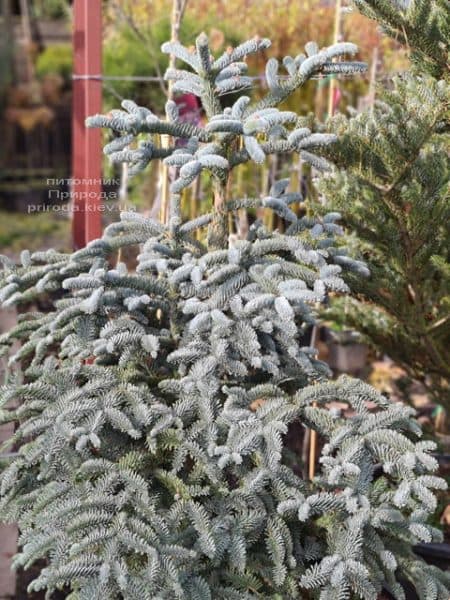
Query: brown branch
[(147, 42)]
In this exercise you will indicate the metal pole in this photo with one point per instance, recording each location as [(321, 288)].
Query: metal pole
[(86, 143)]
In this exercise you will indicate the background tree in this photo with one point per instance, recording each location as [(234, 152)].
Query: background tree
[(392, 188)]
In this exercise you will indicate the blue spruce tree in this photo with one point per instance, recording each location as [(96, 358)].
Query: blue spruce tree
[(152, 404)]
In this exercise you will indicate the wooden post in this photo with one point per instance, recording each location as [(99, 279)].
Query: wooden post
[(86, 143)]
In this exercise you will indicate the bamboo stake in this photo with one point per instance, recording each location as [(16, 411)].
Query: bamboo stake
[(373, 78), (242, 212), (261, 213), (165, 185), (178, 8), (185, 202), (192, 208), (228, 192), (194, 203), (270, 216), (312, 451), (123, 199), (336, 36), (123, 190), (313, 432)]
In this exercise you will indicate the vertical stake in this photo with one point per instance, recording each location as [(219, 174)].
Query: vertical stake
[(165, 184), (313, 432), (373, 78), (336, 36), (86, 143), (178, 8)]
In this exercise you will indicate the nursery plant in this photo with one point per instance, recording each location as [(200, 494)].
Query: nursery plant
[(151, 404), (391, 186)]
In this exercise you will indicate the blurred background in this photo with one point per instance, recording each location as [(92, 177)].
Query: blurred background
[(36, 88)]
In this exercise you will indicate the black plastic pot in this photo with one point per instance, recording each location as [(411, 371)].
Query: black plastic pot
[(443, 460), (435, 554), (408, 588)]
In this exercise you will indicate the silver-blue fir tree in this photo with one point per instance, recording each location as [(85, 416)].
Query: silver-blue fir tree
[(151, 404)]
